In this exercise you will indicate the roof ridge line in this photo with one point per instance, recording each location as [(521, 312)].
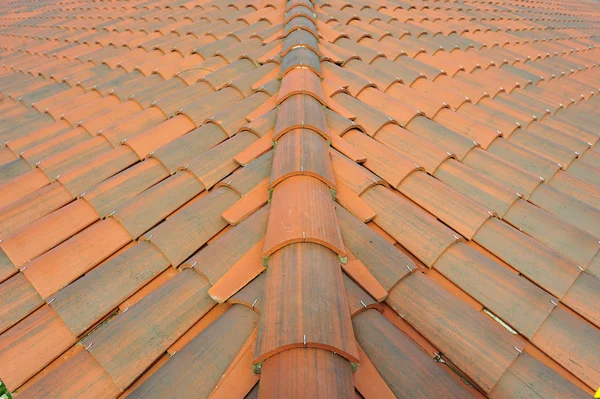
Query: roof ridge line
[(302, 194)]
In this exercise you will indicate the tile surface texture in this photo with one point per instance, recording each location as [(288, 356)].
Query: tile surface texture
[(299, 198)]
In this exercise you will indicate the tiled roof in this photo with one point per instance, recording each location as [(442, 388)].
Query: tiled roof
[(299, 198)]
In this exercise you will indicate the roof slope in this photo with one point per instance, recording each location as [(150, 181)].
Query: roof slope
[(297, 198)]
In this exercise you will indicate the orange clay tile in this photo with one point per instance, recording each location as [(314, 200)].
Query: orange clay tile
[(266, 106), (411, 146), (418, 231), (86, 176), (358, 299), (384, 262), (368, 381), (106, 196), (382, 160), (239, 377), (58, 98), (95, 125), (300, 111), (198, 220), (486, 369), (21, 186), (361, 275), (246, 206), (348, 150), (296, 202), (279, 374), (66, 262), (557, 234), (18, 300), (301, 152), (149, 288), (212, 265), (132, 126), (125, 351), (456, 210), (135, 266), (32, 206), (232, 118), (154, 138), (527, 374), (219, 343), (388, 349), (121, 71), (570, 340), (358, 179), (338, 108), (73, 373), (142, 212), (582, 295), (255, 150), (301, 81), (327, 328), (201, 325), (525, 309), (399, 111), (300, 58), (77, 155), (494, 196), (506, 173), (217, 163), (43, 234), (177, 153), (31, 345), (567, 208), (353, 203), (241, 273), (6, 155), (547, 268)]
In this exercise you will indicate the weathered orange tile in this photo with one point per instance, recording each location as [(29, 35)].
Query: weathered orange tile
[(240, 274), (45, 233), (302, 211), (68, 261), (247, 205), (239, 378)]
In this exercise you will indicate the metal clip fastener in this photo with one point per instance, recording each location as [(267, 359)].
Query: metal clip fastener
[(304, 340), (254, 303), (579, 267), (51, 300), (518, 350), (362, 303), (409, 269), (149, 238), (89, 346), (554, 303)]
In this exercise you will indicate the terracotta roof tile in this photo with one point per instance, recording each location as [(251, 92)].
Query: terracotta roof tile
[(387, 349), (159, 157)]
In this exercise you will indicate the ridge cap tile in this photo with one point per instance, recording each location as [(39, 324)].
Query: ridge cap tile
[(291, 154)]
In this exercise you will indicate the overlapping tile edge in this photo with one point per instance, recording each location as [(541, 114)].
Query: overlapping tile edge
[(479, 249)]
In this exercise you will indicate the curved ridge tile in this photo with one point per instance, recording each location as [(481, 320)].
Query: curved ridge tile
[(302, 210), (304, 292), (301, 152)]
